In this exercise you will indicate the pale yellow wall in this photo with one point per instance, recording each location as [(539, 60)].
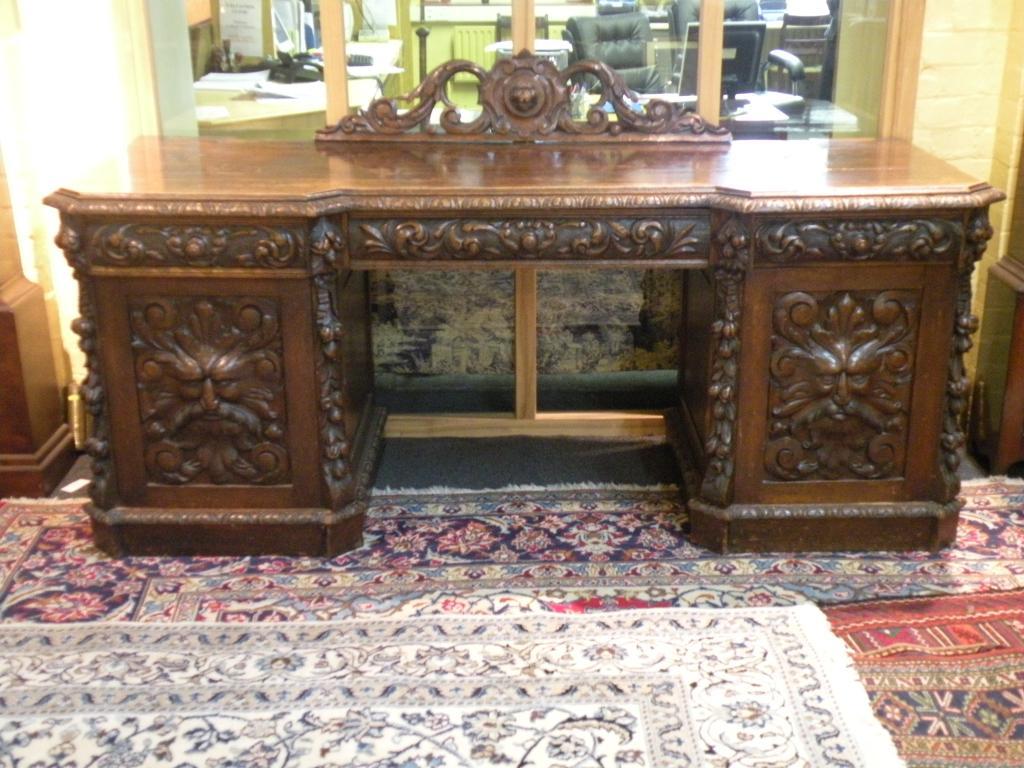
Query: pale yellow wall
[(75, 90), (969, 100)]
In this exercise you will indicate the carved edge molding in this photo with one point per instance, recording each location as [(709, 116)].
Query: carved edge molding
[(528, 239), (200, 516), (330, 203), (979, 232), (97, 446), (523, 98), (730, 260), (196, 245), (794, 242), (328, 254), (900, 510)]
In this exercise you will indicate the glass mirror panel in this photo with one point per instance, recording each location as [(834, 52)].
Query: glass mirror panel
[(443, 341), (607, 339), (802, 69)]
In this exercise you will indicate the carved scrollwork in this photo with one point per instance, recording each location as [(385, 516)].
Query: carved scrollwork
[(522, 98), (730, 259), (979, 232), (97, 446), (839, 384), (528, 239), (328, 252), (859, 240), (196, 246), (210, 378)]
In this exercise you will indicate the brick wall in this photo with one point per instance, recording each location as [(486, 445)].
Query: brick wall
[(969, 101)]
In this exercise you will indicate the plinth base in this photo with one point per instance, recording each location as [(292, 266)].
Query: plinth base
[(37, 474), (310, 532), (233, 532), (823, 527)]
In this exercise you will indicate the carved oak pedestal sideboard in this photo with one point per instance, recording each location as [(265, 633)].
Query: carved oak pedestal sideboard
[(224, 313), (224, 316)]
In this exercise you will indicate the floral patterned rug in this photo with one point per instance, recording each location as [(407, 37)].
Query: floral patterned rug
[(568, 551), (679, 687)]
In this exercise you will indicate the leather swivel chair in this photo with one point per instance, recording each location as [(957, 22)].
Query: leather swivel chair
[(620, 41), (683, 12), (803, 48)]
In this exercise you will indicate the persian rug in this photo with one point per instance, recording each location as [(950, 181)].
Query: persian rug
[(679, 687), (565, 550), (945, 675)]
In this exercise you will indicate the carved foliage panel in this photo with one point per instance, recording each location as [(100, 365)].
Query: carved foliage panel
[(795, 242), (210, 381), (196, 245), (840, 380), (624, 239)]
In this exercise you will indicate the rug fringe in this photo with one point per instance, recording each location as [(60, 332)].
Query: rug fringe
[(524, 488), (837, 664), (45, 501)]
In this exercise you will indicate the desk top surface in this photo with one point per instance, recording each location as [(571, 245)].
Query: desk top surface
[(231, 176)]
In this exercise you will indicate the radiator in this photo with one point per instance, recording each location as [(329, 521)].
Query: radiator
[(469, 43)]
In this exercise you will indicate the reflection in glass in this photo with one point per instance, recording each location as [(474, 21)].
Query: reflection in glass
[(607, 339), (443, 341)]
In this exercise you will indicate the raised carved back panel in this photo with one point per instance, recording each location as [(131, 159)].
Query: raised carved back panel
[(840, 382), (210, 380), (525, 98)]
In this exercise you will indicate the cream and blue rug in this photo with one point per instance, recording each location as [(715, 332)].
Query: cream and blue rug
[(655, 687)]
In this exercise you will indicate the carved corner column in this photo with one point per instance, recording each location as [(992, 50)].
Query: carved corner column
[(729, 263), (351, 427), (976, 237), (97, 446), (36, 445)]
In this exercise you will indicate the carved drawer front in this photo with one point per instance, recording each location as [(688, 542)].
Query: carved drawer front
[(899, 240), (530, 239), (839, 384), (209, 373), (197, 245)]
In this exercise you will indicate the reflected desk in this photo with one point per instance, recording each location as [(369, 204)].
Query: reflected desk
[(224, 319)]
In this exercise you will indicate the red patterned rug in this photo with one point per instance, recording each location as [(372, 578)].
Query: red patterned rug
[(945, 675), (570, 550)]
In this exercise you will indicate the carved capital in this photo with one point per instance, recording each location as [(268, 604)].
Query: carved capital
[(625, 239), (328, 247), (525, 98), (791, 242)]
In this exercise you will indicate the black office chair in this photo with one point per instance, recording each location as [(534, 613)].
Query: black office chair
[(503, 27), (620, 41), (797, 64), (683, 12)]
